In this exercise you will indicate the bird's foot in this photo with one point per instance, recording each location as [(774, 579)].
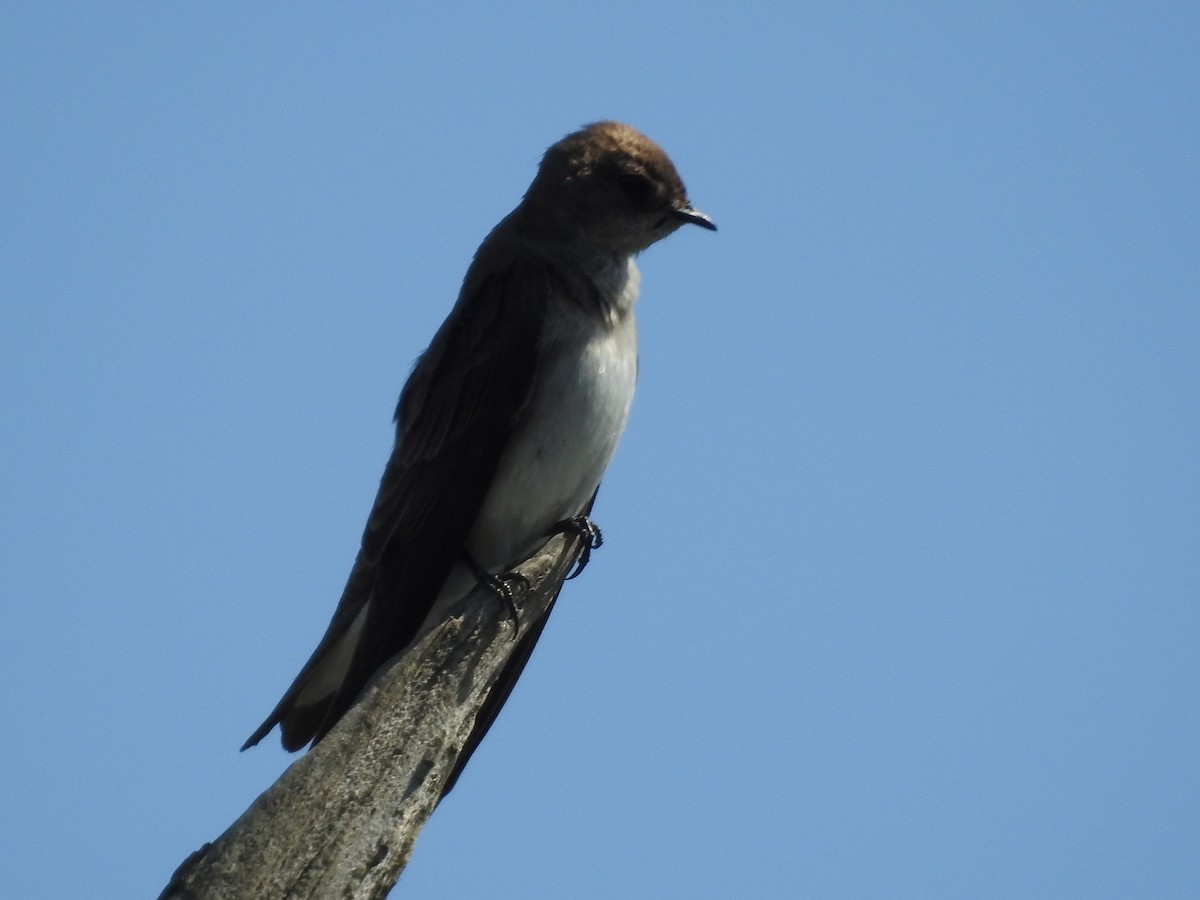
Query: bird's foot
[(501, 586), (593, 539)]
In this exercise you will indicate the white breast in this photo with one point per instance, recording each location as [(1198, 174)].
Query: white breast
[(569, 432)]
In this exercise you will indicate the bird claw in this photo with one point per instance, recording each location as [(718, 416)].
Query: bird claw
[(500, 586), (593, 539)]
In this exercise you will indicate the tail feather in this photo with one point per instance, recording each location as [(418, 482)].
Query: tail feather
[(302, 713)]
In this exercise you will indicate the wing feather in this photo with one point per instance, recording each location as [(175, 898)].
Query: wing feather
[(454, 419)]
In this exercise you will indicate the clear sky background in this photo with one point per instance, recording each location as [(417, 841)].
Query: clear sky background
[(901, 589)]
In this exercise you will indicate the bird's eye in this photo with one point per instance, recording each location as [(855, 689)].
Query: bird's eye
[(637, 187)]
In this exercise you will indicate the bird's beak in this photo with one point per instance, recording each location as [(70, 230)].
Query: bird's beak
[(688, 214)]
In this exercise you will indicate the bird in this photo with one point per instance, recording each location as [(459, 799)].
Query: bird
[(508, 420)]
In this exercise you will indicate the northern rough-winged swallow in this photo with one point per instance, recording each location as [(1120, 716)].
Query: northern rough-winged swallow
[(508, 420)]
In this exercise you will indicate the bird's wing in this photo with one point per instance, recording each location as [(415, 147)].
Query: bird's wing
[(455, 417)]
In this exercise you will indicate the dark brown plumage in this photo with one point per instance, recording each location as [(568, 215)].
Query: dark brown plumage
[(508, 419)]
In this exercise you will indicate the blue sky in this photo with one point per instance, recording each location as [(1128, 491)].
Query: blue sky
[(899, 596)]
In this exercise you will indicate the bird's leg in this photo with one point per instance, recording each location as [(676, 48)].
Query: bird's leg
[(581, 526), (498, 584)]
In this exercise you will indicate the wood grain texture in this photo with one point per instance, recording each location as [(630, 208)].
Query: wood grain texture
[(342, 820)]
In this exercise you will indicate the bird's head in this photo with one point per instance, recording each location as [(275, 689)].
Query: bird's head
[(612, 186)]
